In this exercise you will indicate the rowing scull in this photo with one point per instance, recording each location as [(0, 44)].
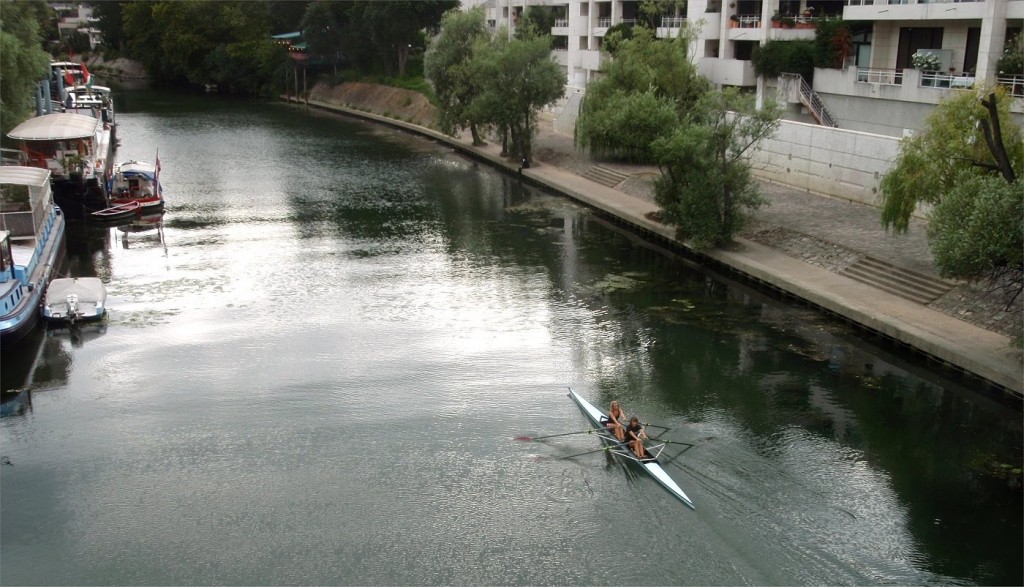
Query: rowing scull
[(650, 464)]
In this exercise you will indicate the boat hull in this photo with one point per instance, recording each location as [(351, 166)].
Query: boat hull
[(24, 315), (650, 465), (74, 299)]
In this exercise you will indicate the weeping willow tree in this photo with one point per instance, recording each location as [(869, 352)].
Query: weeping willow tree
[(964, 165)]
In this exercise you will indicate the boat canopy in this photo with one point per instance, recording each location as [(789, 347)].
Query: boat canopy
[(55, 127), (133, 169), (30, 176)]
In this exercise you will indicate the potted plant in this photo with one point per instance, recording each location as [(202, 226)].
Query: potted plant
[(734, 22), (776, 20), (928, 63), (788, 22), (73, 164)]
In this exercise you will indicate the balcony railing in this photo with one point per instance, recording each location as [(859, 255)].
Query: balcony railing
[(884, 77), (673, 22), (745, 21), (796, 22), (603, 23), (561, 23), (935, 79), (1014, 84), (897, 2)]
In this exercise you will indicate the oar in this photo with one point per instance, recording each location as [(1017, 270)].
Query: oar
[(603, 448), (660, 441), (588, 431)]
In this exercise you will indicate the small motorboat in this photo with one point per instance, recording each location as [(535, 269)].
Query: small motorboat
[(138, 181), (74, 299), (117, 212)]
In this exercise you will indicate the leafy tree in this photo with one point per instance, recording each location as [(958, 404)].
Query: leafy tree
[(833, 42), (520, 78), (642, 64), (197, 42), (324, 28), (447, 64), (952, 142), (286, 15), (110, 24), (977, 232), (615, 36), (542, 18), (1011, 62), (705, 185), (77, 42), (630, 122), (651, 11), (22, 62), (955, 165), (394, 27)]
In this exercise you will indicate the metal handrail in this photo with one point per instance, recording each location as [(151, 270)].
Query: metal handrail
[(811, 99), (673, 22), (1015, 84), (885, 77)]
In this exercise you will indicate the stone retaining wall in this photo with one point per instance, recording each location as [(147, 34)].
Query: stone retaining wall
[(841, 163)]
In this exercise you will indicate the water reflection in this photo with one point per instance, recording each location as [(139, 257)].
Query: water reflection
[(330, 350)]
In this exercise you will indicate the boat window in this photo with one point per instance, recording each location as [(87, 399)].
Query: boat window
[(6, 260)]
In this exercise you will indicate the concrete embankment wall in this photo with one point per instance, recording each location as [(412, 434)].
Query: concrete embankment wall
[(836, 162)]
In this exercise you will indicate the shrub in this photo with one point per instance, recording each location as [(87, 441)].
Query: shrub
[(777, 57)]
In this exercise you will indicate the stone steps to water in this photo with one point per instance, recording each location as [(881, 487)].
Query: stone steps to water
[(604, 176), (904, 283)]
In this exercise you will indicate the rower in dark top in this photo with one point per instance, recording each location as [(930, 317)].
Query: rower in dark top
[(614, 421), (635, 435)]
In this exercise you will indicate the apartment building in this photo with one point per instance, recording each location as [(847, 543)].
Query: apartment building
[(77, 18), (878, 91)]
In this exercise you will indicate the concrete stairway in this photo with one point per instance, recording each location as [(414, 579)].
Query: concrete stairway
[(604, 176), (904, 283)]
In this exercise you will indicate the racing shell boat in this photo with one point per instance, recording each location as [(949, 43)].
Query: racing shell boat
[(649, 464)]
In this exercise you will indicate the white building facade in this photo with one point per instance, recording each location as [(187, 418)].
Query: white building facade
[(878, 91)]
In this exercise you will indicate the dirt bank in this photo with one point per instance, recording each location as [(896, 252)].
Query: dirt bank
[(387, 101), (127, 73)]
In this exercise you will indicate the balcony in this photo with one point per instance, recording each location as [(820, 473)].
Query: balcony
[(592, 60), (907, 85), (560, 28), (729, 72), (746, 21), (1014, 85), (914, 9)]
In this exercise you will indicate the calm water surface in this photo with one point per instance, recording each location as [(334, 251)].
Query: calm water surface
[(314, 369)]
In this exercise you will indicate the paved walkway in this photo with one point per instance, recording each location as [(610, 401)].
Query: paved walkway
[(984, 353)]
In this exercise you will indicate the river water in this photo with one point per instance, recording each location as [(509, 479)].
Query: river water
[(315, 368)]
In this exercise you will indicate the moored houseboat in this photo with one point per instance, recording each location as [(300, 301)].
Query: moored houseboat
[(76, 149), (31, 246)]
